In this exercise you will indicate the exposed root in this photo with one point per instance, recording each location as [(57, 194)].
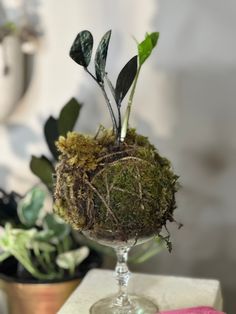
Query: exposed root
[(103, 201)]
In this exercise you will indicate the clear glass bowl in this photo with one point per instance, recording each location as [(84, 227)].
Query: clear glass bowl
[(121, 302)]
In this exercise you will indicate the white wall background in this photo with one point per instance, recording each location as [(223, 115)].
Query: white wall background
[(185, 103)]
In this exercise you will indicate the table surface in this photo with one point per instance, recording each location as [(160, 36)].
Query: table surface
[(168, 292)]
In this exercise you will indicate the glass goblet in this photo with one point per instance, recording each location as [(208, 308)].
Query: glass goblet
[(122, 302)]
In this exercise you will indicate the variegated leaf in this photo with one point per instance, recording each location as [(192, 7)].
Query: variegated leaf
[(81, 49), (101, 57)]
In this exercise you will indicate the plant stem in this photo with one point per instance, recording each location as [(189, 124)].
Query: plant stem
[(40, 258), (119, 124), (112, 89), (115, 127), (107, 101), (128, 109)]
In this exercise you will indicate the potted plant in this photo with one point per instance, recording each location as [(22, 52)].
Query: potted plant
[(114, 186), (41, 261)]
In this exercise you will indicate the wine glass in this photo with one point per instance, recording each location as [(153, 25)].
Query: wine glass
[(122, 302)]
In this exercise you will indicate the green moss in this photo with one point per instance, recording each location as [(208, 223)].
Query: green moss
[(127, 189), (79, 150)]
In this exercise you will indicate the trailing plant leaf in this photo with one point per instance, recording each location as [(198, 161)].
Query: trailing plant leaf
[(43, 169), (125, 79), (43, 246), (101, 57), (82, 47), (60, 229), (17, 242), (44, 235), (30, 206), (146, 46), (71, 259), (68, 116), (51, 135)]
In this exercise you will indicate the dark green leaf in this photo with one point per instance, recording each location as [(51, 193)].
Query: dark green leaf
[(68, 116), (59, 228), (43, 169), (101, 56), (125, 79), (8, 208), (81, 49), (51, 135), (30, 206), (145, 47)]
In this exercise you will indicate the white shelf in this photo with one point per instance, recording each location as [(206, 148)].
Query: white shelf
[(169, 292)]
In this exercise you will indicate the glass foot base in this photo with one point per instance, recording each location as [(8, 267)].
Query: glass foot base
[(135, 305)]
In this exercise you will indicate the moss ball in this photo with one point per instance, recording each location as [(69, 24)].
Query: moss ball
[(125, 189)]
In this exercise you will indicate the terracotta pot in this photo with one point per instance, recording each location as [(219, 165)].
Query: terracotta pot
[(29, 298)]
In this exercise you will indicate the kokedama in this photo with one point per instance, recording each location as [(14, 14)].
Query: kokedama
[(114, 185)]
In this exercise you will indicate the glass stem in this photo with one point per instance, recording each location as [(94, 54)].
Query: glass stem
[(122, 275)]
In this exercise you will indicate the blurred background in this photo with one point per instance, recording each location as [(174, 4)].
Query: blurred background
[(185, 103)]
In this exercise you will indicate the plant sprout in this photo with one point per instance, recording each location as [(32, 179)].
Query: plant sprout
[(81, 52)]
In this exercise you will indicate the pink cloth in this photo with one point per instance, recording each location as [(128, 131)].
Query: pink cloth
[(194, 310)]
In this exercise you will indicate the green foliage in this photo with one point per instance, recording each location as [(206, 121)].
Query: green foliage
[(82, 47), (68, 117), (144, 51), (18, 243), (85, 155), (125, 79), (30, 206), (81, 53), (101, 57), (146, 46), (51, 134), (43, 168), (53, 127), (71, 259), (58, 227), (40, 239)]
